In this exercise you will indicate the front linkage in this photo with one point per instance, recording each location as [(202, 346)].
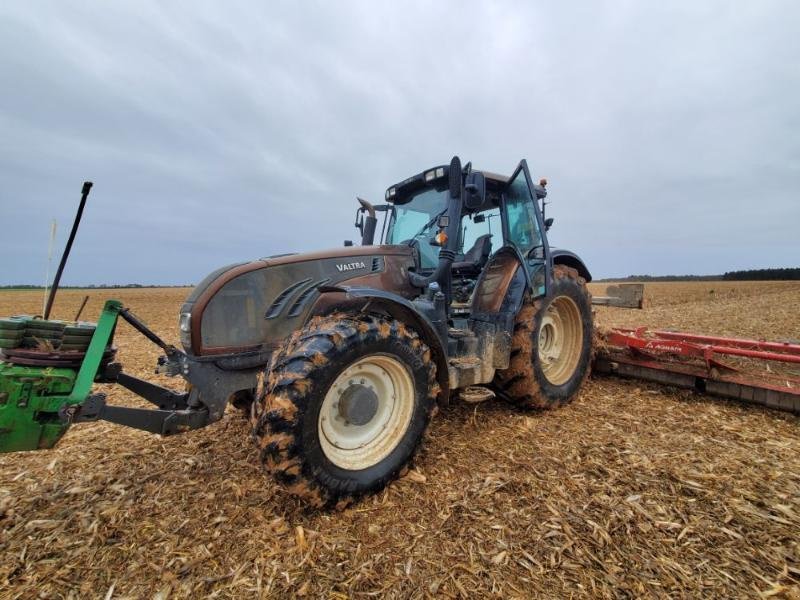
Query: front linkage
[(39, 401)]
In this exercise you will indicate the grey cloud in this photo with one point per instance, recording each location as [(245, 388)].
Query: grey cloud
[(219, 132)]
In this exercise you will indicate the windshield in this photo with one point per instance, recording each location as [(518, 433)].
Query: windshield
[(415, 220)]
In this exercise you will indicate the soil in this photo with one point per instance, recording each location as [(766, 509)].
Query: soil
[(631, 490)]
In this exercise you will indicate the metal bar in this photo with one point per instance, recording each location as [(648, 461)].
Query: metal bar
[(94, 354), (786, 347), (674, 343), (80, 310), (139, 326), (87, 185), (163, 422), (699, 380), (787, 358), (627, 339), (163, 398)]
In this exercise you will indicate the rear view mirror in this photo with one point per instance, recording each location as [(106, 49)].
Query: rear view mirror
[(479, 219), (548, 223), (475, 190)]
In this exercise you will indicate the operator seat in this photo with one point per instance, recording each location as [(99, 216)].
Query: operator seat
[(475, 258)]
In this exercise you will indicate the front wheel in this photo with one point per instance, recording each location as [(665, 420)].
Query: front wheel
[(551, 347), (345, 406)]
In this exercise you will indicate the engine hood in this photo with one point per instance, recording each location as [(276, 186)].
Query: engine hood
[(255, 305)]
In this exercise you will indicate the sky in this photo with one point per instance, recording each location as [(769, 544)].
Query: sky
[(219, 132)]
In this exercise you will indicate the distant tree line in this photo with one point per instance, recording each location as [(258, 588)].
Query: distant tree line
[(792, 274), (763, 274), (646, 278)]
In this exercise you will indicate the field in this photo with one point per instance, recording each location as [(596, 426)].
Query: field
[(632, 490)]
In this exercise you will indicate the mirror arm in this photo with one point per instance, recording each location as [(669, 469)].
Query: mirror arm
[(359, 224)]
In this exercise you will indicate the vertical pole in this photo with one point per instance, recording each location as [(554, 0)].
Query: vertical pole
[(87, 185), (49, 262)]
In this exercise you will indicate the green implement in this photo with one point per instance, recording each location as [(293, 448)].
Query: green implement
[(33, 399)]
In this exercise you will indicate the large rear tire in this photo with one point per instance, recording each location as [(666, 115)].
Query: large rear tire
[(551, 348), (344, 407)]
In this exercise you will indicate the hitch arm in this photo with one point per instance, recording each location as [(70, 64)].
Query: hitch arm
[(163, 422), (164, 398), (151, 335)]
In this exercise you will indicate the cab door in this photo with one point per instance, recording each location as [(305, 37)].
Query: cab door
[(523, 229)]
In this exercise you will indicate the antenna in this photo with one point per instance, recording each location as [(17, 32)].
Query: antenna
[(53, 227)]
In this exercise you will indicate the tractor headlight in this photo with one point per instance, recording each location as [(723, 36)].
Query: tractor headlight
[(434, 174)]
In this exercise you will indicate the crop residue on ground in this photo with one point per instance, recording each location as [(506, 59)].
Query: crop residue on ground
[(631, 490)]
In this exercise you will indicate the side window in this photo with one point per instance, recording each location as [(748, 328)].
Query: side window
[(475, 226), (523, 230)]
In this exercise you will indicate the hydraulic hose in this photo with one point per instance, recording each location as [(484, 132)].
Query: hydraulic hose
[(446, 258)]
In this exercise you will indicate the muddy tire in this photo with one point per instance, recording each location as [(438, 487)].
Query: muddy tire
[(344, 407), (552, 345)]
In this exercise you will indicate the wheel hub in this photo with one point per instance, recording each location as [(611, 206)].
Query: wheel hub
[(358, 404), (560, 340), (366, 411)]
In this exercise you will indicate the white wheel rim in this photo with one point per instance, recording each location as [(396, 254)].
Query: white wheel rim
[(560, 340), (390, 405)]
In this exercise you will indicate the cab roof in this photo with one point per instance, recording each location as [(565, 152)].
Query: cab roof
[(438, 178)]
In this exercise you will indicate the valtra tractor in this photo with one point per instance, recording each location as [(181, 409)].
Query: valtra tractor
[(341, 357)]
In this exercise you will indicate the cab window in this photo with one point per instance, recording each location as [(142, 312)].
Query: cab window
[(415, 221), (522, 227), (477, 225)]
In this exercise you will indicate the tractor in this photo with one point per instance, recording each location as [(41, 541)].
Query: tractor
[(340, 358)]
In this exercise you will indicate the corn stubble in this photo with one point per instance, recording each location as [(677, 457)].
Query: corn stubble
[(630, 490)]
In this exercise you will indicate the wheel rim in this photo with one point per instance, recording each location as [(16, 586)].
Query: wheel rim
[(560, 340), (366, 412)]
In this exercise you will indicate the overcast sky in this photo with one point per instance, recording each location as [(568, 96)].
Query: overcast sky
[(218, 132)]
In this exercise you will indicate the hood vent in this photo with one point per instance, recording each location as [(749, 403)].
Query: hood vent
[(283, 299), (303, 299)]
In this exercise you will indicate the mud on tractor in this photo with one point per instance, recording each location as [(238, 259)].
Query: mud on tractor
[(341, 357)]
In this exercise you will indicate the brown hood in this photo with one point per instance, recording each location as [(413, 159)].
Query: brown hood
[(285, 281)]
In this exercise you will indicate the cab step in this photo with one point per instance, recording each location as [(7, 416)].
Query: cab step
[(475, 393)]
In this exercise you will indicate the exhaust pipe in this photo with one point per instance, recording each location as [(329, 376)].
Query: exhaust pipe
[(370, 223)]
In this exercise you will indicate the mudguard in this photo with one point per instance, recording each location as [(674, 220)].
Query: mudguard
[(570, 259), (363, 299)]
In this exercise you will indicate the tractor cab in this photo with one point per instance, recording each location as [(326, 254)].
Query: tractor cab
[(459, 221)]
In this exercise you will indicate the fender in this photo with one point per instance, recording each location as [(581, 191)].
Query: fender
[(570, 259), (493, 284), (365, 299)]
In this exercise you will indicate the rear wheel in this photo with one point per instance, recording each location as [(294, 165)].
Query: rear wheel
[(551, 348), (344, 407)]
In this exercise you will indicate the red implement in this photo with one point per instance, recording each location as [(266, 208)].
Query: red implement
[(696, 362)]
